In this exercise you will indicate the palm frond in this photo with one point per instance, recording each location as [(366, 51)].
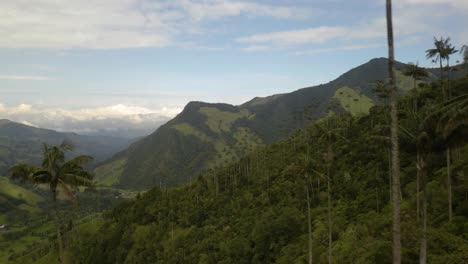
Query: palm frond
[(76, 180), (79, 160)]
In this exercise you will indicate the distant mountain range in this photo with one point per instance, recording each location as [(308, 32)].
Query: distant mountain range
[(22, 143), (206, 135)]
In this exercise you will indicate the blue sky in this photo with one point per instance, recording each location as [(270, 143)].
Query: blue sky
[(141, 61)]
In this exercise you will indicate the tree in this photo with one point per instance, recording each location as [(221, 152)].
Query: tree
[(305, 163), (422, 135), (330, 132), (394, 140), (58, 174), (437, 56), (452, 122), (442, 51)]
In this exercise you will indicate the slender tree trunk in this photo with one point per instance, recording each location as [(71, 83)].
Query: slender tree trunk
[(444, 93), (418, 177), (449, 183), (330, 241), (57, 225), (396, 229), (309, 224), (449, 74), (422, 169)]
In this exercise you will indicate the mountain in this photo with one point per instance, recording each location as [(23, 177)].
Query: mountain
[(275, 206), (22, 143), (204, 135)]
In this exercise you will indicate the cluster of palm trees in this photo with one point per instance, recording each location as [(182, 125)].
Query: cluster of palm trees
[(445, 121), (58, 174)]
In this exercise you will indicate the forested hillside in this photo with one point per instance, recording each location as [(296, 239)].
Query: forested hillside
[(22, 143), (326, 188), (205, 136)]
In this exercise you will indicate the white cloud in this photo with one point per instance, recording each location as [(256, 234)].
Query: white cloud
[(316, 35), (343, 48), (91, 120), (216, 9), (411, 22), (296, 37), (451, 3), (26, 78), (107, 24)]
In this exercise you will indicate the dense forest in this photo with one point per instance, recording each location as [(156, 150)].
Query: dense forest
[(323, 194)]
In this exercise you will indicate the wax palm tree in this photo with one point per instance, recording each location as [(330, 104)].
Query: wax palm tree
[(442, 50), (420, 130), (58, 174), (305, 166), (437, 54), (452, 125), (396, 244), (330, 132)]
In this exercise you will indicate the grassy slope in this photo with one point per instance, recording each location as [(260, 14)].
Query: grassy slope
[(108, 174), (352, 101), (28, 224), (18, 192)]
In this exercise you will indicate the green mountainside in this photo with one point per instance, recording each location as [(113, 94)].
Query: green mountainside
[(256, 210), (22, 143), (205, 135)]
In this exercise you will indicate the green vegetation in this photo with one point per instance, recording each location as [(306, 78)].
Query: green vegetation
[(20, 143), (404, 82), (188, 130), (256, 210), (206, 135), (109, 173), (18, 192), (353, 101), (222, 121)]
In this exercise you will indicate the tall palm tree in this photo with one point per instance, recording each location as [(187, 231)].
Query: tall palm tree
[(442, 50), (453, 121), (330, 131), (421, 133), (437, 56), (58, 174), (396, 228), (305, 164)]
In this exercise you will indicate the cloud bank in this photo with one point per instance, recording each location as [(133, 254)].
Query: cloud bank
[(116, 120), (109, 24)]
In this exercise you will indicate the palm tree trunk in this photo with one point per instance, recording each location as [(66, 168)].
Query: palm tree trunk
[(442, 79), (309, 225), (57, 225), (418, 176), (449, 183), (330, 241), (449, 74), (422, 169), (396, 229)]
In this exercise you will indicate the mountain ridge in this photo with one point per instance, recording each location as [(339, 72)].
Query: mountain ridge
[(23, 143), (208, 135)]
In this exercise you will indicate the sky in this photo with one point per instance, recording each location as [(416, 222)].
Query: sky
[(105, 65)]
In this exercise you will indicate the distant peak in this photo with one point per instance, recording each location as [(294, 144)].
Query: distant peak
[(5, 121)]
